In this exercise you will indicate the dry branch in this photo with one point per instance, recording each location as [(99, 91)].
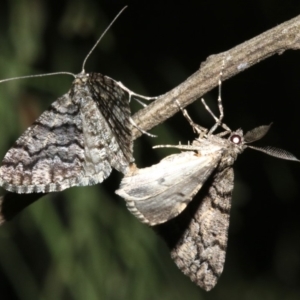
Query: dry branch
[(285, 36)]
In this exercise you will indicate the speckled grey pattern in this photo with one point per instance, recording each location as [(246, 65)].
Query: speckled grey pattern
[(161, 196), (76, 142)]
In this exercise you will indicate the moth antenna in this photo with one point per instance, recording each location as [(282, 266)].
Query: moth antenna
[(37, 75), (276, 152), (68, 73), (133, 95), (100, 38), (256, 133)]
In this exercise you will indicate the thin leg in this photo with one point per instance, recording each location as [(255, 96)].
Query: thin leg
[(197, 128), (136, 97), (220, 105), (140, 129), (221, 109)]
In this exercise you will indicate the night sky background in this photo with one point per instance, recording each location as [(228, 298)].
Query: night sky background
[(83, 243)]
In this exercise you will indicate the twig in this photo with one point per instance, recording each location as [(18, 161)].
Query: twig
[(285, 36)]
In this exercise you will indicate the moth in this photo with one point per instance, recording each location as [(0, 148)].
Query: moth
[(77, 141), (161, 196)]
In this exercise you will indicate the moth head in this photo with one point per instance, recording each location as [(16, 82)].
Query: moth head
[(259, 132), (237, 137), (236, 143)]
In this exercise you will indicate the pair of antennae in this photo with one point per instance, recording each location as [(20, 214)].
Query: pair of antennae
[(84, 61)]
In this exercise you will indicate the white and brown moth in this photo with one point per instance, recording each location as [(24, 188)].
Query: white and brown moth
[(161, 196), (77, 141)]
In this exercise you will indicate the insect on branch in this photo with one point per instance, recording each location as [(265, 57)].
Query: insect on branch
[(277, 40), (285, 36)]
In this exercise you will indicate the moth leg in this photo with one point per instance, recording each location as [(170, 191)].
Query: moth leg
[(213, 115), (220, 104), (140, 102), (219, 121), (196, 128), (140, 129), (136, 97), (223, 133)]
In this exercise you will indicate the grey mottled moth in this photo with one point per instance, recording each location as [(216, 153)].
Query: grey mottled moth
[(161, 194), (77, 141)]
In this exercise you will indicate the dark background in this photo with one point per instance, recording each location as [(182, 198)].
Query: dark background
[(83, 243)]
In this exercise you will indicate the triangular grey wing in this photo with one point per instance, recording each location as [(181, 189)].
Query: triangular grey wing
[(76, 142), (162, 191), (198, 236), (51, 154)]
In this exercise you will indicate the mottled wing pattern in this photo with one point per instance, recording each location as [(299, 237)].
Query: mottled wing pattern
[(49, 153), (196, 231), (73, 142), (199, 241), (113, 103), (162, 191)]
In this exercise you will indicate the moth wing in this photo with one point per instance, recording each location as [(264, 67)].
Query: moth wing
[(198, 236), (161, 192), (112, 100), (76, 142), (49, 155)]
